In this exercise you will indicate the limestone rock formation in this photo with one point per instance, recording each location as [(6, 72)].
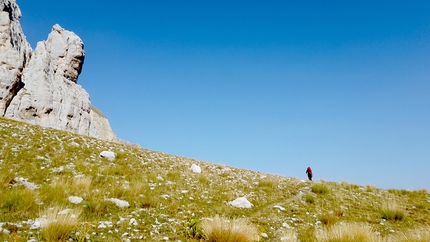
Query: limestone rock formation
[(41, 87), (50, 96), (14, 52), (102, 126)]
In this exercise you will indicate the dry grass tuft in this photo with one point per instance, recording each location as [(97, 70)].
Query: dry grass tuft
[(288, 236), (220, 229), (60, 222), (345, 232), (82, 184), (420, 234), (390, 210)]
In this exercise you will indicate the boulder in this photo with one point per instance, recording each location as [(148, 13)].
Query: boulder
[(110, 155), (196, 169), (241, 202)]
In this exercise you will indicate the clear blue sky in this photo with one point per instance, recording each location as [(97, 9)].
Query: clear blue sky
[(271, 86)]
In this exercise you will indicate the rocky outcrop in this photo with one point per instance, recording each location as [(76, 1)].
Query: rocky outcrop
[(102, 125), (14, 52), (41, 87), (50, 96)]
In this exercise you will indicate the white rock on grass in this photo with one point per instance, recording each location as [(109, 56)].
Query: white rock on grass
[(133, 222), (279, 207), (101, 226), (75, 199), (26, 183), (118, 202), (110, 155), (285, 225), (241, 202), (37, 223), (104, 224), (196, 169)]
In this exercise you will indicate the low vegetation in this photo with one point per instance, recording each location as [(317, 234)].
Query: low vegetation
[(220, 229), (54, 186), (347, 232)]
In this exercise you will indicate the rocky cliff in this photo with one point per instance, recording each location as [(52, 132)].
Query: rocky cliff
[(40, 86)]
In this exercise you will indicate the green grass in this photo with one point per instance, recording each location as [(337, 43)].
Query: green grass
[(320, 188), (390, 210), (309, 198), (18, 202), (168, 200)]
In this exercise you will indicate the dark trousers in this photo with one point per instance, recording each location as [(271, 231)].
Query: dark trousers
[(310, 176)]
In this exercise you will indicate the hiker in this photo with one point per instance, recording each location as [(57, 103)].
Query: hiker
[(309, 171)]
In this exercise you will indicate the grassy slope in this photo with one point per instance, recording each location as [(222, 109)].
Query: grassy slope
[(144, 178)]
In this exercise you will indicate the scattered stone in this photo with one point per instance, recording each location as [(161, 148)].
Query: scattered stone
[(110, 155), (37, 223), (133, 222), (26, 183), (241, 202), (285, 225), (196, 169), (279, 207), (75, 199), (104, 224), (58, 169), (118, 202), (101, 226)]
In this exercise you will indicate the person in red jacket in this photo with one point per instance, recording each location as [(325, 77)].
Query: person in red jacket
[(309, 171)]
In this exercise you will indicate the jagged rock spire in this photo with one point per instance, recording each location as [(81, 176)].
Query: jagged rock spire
[(41, 87)]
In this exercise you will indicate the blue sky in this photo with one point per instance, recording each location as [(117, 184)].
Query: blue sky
[(271, 86)]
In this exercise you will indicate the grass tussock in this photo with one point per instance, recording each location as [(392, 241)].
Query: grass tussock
[(81, 184), (309, 198), (306, 235), (390, 210), (59, 223), (347, 232), (328, 219), (220, 229), (420, 234), (288, 235), (319, 188), (18, 201)]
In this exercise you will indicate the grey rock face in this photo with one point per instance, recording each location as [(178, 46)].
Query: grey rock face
[(15, 52), (41, 87), (102, 126), (50, 96)]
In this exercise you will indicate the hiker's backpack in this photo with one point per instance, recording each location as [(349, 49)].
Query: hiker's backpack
[(309, 170)]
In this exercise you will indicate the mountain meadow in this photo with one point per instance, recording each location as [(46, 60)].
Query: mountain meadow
[(60, 186)]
